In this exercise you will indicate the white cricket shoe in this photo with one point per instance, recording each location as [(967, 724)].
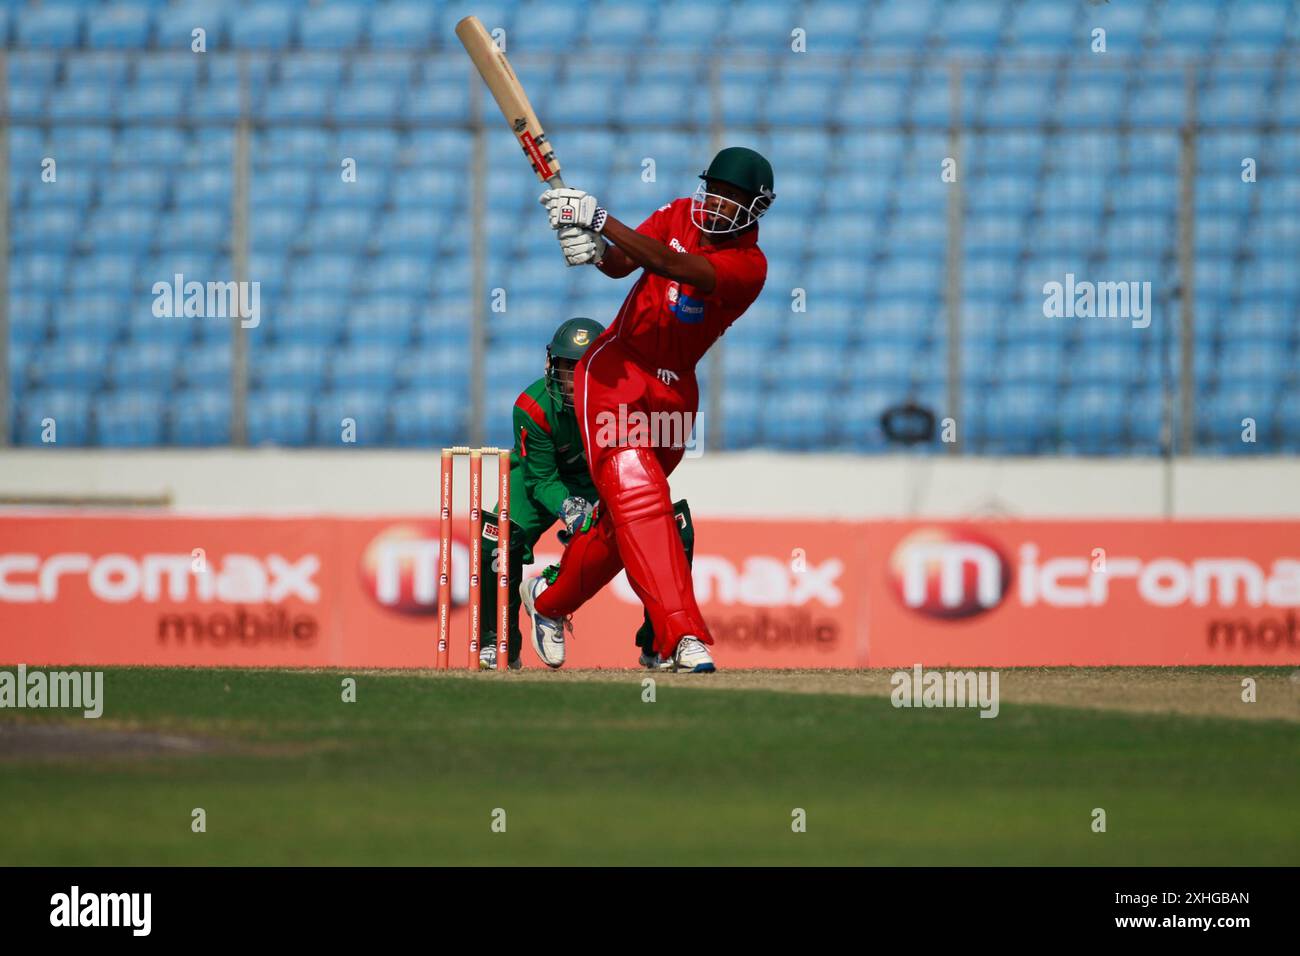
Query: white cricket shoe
[(692, 656), (487, 659), (547, 633)]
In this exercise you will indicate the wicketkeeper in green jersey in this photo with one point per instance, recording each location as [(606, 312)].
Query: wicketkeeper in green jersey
[(549, 482)]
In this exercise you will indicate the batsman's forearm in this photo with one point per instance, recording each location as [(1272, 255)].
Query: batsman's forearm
[(652, 254), (615, 264)]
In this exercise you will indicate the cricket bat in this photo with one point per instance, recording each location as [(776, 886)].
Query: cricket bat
[(509, 93)]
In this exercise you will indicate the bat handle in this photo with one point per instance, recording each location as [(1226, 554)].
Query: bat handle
[(555, 182)]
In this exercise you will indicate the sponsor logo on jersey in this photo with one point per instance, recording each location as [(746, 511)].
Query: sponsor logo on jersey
[(687, 308)]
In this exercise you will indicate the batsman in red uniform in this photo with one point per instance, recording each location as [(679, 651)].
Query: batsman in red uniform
[(701, 269)]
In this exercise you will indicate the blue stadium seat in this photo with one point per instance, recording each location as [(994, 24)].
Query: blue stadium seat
[(200, 417), (1256, 25), (77, 364), (690, 26), (52, 229), (67, 410), (90, 102), (340, 229), (331, 28), (99, 69), (1090, 100), (1118, 361), (279, 417), (613, 25), (207, 367), (135, 417), (322, 272), (263, 26), (901, 26), (832, 25), (368, 365), (28, 317), (122, 227), (931, 105), (740, 413), (1236, 101), (403, 26), (353, 416), (891, 362), (153, 102), (369, 100), (49, 27), (206, 187), (970, 26), (298, 101), (118, 25), (440, 100), (799, 419), (145, 365), (428, 417), (1092, 419), (1160, 100), (408, 275), (1009, 419), (41, 271), (1190, 26), (1220, 414), (439, 363), (175, 25), (289, 366), (1040, 26)]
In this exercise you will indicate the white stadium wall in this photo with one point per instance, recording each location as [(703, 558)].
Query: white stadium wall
[(738, 484)]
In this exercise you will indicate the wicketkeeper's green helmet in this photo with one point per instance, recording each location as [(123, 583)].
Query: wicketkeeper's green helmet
[(745, 169), (570, 341)]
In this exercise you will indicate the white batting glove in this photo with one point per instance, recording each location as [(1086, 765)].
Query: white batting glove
[(573, 207), (581, 246)]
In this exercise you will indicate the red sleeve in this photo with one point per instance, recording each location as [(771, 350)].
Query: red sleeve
[(656, 226), (739, 275)]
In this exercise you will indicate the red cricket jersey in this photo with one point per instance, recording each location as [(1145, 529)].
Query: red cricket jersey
[(667, 324)]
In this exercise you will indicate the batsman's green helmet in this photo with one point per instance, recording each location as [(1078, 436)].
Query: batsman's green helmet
[(742, 167)]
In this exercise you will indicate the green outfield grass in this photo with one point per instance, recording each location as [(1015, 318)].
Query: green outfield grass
[(589, 774)]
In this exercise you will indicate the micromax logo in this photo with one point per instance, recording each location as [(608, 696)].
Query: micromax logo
[(399, 568), (758, 581), (27, 578), (947, 573)]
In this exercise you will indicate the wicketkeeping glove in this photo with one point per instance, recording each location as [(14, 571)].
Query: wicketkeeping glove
[(573, 207), (581, 246), (576, 514)]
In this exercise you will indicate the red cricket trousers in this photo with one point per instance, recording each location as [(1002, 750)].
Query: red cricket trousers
[(630, 465)]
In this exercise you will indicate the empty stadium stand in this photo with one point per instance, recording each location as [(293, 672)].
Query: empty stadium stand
[(1070, 162)]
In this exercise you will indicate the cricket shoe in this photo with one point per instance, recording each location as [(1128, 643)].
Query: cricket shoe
[(487, 659), (653, 662), (547, 633), (692, 656)]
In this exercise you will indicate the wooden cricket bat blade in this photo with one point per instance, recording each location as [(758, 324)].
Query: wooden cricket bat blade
[(495, 69)]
